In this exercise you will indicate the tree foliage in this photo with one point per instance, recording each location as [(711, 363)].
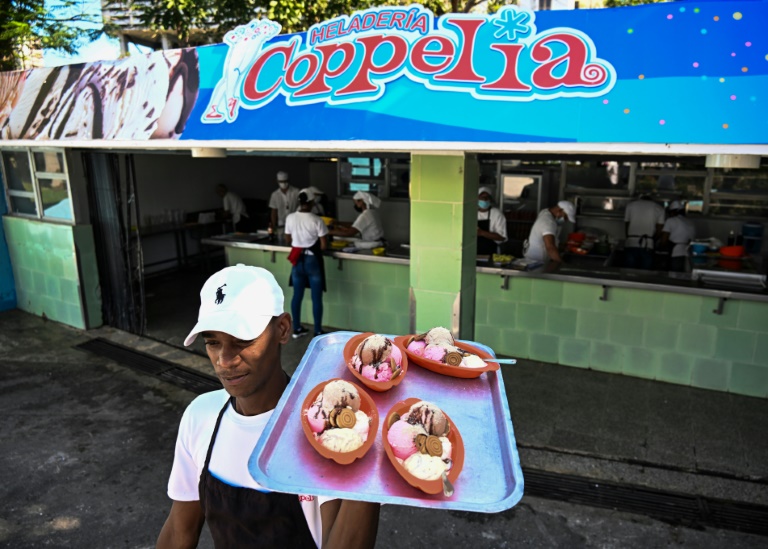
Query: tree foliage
[(181, 17), (27, 26), (622, 3)]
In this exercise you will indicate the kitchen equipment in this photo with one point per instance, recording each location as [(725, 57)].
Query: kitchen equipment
[(732, 251), (699, 248), (752, 237)]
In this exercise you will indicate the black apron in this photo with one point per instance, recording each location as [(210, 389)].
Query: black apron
[(243, 517), (485, 246), (318, 252)]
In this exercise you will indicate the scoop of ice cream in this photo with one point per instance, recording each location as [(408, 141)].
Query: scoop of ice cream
[(417, 347), (447, 448), (402, 438), (317, 418), (429, 416), (377, 372), (341, 440), (374, 349), (473, 361), (439, 336), (424, 466), (434, 352), (339, 393), (362, 424)]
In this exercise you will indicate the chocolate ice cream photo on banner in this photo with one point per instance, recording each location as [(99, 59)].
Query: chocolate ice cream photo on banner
[(141, 97)]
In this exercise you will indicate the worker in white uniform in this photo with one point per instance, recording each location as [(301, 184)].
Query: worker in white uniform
[(306, 233), (320, 203), (542, 240), (679, 231), (491, 224), (234, 207), (283, 201), (644, 219), (367, 231)]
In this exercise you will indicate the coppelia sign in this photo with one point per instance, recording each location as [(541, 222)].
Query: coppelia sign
[(350, 59), (685, 72)]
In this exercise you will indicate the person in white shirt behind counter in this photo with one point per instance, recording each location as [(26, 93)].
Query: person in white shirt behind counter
[(542, 240), (367, 231), (234, 207), (491, 224), (283, 201), (678, 230), (644, 219)]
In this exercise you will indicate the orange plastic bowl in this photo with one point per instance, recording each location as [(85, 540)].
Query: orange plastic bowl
[(457, 453), (446, 369), (378, 386), (732, 251), (366, 405)]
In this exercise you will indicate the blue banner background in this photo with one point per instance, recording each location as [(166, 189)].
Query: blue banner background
[(687, 72)]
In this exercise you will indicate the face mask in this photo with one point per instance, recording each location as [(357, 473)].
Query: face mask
[(283, 185), (560, 220), (484, 204), (358, 209)]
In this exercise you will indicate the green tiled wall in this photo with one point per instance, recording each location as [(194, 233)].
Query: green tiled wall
[(654, 335), (362, 296), (45, 269)]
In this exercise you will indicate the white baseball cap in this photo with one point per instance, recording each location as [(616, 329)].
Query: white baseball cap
[(569, 209), (239, 301), (282, 176), (308, 191)]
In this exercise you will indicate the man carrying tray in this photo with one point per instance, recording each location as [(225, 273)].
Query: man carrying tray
[(243, 324)]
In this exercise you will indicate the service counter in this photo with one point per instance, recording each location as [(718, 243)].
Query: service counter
[(640, 323)]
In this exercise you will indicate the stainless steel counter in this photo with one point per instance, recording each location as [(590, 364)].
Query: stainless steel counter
[(607, 277)]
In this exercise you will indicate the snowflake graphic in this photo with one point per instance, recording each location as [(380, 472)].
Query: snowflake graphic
[(511, 23)]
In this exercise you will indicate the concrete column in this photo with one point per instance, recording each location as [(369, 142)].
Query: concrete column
[(443, 242)]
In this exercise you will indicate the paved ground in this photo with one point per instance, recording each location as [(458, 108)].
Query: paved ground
[(87, 448)]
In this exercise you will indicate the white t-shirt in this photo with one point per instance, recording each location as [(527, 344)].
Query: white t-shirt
[(545, 224), (285, 203), (235, 441), (369, 225), (498, 222), (681, 232), (305, 228), (234, 205), (642, 216)]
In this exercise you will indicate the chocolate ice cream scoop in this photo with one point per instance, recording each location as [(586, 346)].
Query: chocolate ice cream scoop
[(430, 416), (374, 350), (439, 336), (339, 394)]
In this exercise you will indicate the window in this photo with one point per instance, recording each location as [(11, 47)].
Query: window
[(383, 177), (37, 183)]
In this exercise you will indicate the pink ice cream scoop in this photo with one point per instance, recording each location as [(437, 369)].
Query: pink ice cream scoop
[(402, 438), (316, 418), (417, 347), (434, 352), (377, 372)]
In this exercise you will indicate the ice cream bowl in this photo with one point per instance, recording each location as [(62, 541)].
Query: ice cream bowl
[(457, 453), (366, 405), (447, 369), (373, 385)]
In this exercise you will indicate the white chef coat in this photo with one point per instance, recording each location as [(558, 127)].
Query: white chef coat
[(285, 203), (369, 225), (305, 228), (642, 216), (681, 232), (498, 222), (545, 224), (234, 205)]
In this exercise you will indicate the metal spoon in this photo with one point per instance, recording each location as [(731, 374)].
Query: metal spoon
[(447, 486), (502, 360)]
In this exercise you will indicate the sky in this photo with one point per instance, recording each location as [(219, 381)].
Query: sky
[(103, 48)]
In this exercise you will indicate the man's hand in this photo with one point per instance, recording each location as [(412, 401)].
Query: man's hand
[(551, 247)]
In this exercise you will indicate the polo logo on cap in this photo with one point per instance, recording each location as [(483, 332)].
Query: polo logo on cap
[(220, 294)]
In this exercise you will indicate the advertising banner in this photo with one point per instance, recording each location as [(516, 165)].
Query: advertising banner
[(677, 72)]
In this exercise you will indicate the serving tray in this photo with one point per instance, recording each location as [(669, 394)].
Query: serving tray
[(491, 480)]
